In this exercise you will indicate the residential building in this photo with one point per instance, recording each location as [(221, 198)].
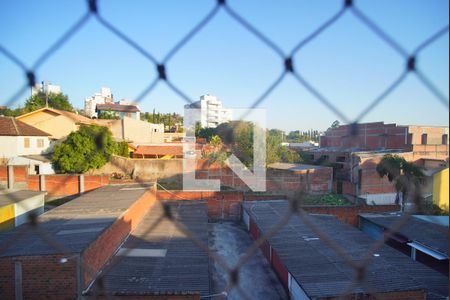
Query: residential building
[(134, 131), (45, 87), (18, 138), (119, 111), (354, 157), (58, 123), (90, 103), (211, 114), (422, 239), (426, 141)]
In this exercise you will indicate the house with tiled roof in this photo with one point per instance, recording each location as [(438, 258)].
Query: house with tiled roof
[(118, 110), (59, 123), (18, 138)]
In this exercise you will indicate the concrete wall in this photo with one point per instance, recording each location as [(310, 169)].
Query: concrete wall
[(137, 131)]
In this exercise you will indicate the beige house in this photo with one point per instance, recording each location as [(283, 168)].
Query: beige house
[(58, 123), (134, 131)]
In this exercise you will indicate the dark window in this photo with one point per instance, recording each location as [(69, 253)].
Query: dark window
[(444, 139), (424, 139), (359, 179), (339, 188), (340, 159)]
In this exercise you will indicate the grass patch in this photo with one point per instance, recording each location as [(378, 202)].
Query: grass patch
[(326, 200)]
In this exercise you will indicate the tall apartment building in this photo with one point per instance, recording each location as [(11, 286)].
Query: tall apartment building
[(212, 113), (45, 87), (90, 103)]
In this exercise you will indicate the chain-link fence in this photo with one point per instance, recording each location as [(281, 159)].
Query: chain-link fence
[(287, 68)]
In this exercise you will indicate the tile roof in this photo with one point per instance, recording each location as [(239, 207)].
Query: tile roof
[(117, 107), (73, 116), (159, 150), (321, 272), (429, 234), (12, 127), (166, 261)]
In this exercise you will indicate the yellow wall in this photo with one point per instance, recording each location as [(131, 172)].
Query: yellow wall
[(7, 217), (440, 189), (57, 125)]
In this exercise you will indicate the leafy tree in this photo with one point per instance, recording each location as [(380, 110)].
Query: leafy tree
[(57, 101), (405, 175), (122, 149), (108, 115), (88, 148), (8, 112)]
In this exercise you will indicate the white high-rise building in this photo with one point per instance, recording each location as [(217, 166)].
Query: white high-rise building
[(90, 103), (45, 87), (212, 112)]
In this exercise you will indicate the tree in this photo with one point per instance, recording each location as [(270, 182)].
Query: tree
[(108, 115), (88, 148), (405, 175), (57, 101)]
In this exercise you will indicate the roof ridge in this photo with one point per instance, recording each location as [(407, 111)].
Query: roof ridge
[(15, 125)]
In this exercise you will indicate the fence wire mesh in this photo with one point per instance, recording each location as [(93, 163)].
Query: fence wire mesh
[(286, 61)]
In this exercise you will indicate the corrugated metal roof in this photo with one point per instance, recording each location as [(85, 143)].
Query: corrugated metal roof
[(429, 234), (322, 272), (96, 209), (183, 268)]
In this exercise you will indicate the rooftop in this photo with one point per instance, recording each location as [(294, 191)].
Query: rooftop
[(117, 107), (12, 127), (321, 272), (17, 196), (79, 119), (159, 150), (75, 224), (429, 234), (163, 260), (295, 167)]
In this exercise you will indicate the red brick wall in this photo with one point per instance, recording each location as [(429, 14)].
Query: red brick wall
[(20, 174), (102, 249), (66, 185), (313, 181), (221, 205), (59, 282), (280, 269)]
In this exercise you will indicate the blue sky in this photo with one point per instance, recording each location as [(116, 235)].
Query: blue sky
[(348, 63)]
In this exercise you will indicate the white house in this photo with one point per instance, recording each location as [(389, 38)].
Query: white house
[(212, 113), (90, 103), (18, 138)]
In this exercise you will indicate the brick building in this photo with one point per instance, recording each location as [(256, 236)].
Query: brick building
[(355, 151), (428, 141)]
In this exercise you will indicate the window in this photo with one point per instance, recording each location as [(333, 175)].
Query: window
[(444, 139), (40, 143), (424, 139), (26, 142), (340, 159)]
